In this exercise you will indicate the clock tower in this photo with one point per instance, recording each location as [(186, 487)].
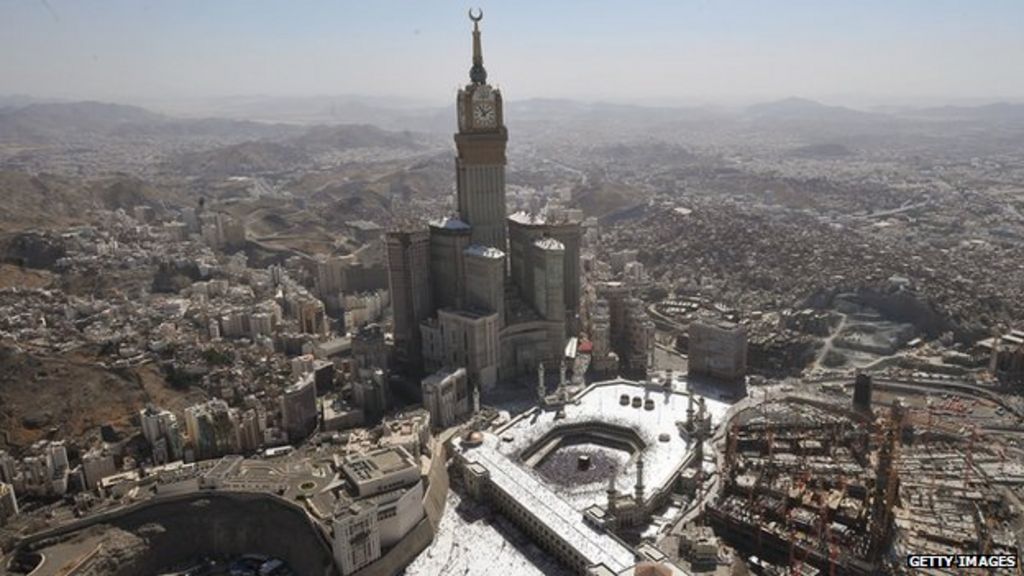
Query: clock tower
[(480, 164)]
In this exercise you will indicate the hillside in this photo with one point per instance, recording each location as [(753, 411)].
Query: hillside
[(47, 200), (286, 155)]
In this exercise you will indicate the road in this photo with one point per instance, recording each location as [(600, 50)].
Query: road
[(827, 343)]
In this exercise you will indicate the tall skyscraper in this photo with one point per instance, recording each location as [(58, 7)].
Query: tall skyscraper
[(408, 253), (449, 237), (495, 325), (525, 229), (480, 163), (485, 280)]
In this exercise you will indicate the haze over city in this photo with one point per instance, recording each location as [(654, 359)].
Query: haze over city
[(688, 52)]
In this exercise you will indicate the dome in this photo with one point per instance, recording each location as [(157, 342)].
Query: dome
[(474, 438), (649, 568)]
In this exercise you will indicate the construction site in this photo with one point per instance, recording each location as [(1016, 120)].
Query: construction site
[(815, 484)]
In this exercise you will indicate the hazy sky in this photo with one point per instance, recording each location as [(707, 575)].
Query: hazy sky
[(679, 50)]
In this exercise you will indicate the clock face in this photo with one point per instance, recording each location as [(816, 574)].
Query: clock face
[(484, 115)]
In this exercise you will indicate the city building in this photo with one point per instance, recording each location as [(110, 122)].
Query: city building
[(356, 541), (512, 284), (408, 253), (97, 464), (449, 238), (212, 429), (8, 503), (526, 229), (371, 392), (631, 330), (382, 470), (363, 308), (466, 338), (446, 395), (718, 350), (484, 281), (604, 360), (862, 390), (369, 350), (1005, 355), (480, 163), (161, 430), (330, 280), (298, 408)]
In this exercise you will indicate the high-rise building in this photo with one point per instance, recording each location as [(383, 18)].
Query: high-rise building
[(96, 465), (298, 408), (718, 350), (525, 229), (312, 316), (604, 361), (471, 340), (449, 237), (485, 280), (408, 253), (548, 296), (495, 325), (368, 348), (160, 428), (480, 164), (631, 329), (371, 393), (862, 392), (330, 276), (212, 429), (331, 281), (250, 430)]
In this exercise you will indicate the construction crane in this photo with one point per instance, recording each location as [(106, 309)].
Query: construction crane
[(969, 456)]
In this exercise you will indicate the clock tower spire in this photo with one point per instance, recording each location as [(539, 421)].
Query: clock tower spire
[(477, 74), (480, 164)]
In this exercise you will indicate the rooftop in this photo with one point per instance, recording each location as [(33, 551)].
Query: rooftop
[(484, 251), (378, 463), (549, 244), (522, 217), (449, 223), (557, 514)]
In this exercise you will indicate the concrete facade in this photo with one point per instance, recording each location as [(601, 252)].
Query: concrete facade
[(446, 395), (449, 237), (485, 280), (298, 408), (408, 253), (548, 296), (471, 340), (718, 350), (524, 230), (356, 541)]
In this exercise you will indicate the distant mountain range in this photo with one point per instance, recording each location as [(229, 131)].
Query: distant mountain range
[(803, 109), (40, 123), (997, 112), (26, 121)]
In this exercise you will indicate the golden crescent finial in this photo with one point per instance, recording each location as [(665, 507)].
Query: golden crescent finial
[(479, 16)]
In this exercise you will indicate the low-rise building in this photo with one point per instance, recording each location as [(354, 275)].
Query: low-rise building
[(446, 395)]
